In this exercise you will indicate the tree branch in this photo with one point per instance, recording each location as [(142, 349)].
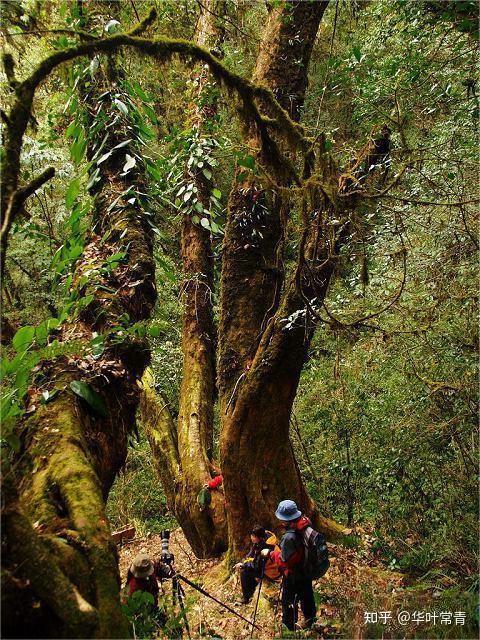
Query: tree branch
[(25, 192), (143, 24), (16, 201)]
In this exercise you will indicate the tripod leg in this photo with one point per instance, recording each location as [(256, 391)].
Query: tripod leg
[(181, 596), (174, 590)]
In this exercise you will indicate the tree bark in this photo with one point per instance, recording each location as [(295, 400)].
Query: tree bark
[(188, 461), (204, 530), (252, 265), (261, 361), (62, 572)]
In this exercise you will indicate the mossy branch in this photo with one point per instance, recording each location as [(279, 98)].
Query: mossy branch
[(144, 24), (161, 433), (15, 205), (161, 48)]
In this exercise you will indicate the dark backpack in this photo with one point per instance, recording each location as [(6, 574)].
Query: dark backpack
[(316, 562)]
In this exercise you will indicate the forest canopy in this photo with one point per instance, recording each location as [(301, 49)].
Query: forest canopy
[(239, 241)]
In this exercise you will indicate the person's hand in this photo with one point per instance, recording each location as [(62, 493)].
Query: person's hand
[(265, 553), (238, 566)]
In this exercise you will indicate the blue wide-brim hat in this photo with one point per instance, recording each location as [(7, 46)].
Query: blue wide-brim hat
[(287, 510)]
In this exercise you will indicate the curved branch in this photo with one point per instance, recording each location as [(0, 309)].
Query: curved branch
[(369, 316), (145, 23), (16, 202), (163, 48)]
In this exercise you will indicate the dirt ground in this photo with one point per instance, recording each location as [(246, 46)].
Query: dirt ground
[(355, 582)]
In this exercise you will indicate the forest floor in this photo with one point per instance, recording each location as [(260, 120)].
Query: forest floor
[(357, 582)]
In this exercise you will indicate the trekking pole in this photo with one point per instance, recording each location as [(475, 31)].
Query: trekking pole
[(222, 604), (258, 598)]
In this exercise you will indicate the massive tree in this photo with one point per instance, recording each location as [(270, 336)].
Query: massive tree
[(61, 574), (260, 359), (253, 282), (269, 309)]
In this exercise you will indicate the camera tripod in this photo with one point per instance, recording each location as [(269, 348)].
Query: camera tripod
[(170, 573), (178, 593)]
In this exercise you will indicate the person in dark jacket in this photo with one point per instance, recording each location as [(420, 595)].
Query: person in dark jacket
[(254, 567), (297, 587)]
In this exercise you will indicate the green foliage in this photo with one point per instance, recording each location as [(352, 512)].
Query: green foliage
[(84, 390), (136, 497), (148, 622), (18, 372), (138, 608), (387, 408)]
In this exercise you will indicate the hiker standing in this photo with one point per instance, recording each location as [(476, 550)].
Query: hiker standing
[(302, 557), (255, 567)]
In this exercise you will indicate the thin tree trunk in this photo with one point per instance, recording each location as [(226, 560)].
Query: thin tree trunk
[(188, 463)]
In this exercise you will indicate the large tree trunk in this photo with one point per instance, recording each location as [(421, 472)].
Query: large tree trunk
[(256, 446), (260, 361), (61, 573), (185, 461), (252, 265)]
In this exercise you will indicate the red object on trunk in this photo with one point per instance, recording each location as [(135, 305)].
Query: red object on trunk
[(216, 482)]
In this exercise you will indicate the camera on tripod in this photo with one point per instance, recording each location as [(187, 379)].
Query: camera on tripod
[(165, 555), (167, 570)]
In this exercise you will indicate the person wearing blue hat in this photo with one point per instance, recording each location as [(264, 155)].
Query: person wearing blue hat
[(297, 586)]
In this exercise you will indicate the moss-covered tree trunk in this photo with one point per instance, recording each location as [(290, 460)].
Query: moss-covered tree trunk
[(260, 362), (189, 462), (257, 455), (252, 264), (61, 574)]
